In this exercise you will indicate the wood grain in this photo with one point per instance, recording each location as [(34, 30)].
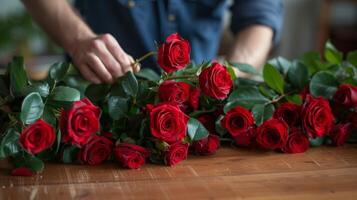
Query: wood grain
[(321, 173)]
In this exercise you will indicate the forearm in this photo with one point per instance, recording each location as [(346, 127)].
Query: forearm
[(59, 20), (252, 45)]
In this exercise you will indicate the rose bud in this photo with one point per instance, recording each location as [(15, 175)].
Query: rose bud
[(297, 142), (194, 98), (96, 151), (215, 81), (339, 133), (206, 146), (168, 122), (176, 153), (272, 134), (247, 138), (80, 122), (174, 54), (208, 121), (130, 155), (22, 171), (37, 137), (172, 91), (346, 96), (237, 121), (289, 113), (317, 117)]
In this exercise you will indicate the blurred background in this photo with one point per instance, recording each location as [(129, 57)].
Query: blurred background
[(307, 26)]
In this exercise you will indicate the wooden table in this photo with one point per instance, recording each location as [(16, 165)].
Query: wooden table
[(321, 173)]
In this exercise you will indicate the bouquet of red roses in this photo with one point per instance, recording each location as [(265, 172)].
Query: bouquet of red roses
[(189, 108)]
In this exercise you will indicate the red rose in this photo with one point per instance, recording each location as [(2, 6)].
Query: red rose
[(97, 150), (130, 155), (346, 96), (297, 142), (288, 112), (237, 121), (208, 120), (22, 171), (194, 98), (317, 117), (168, 122), (172, 91), (176, 153), (246, 139), (174, 54), (272, 134), (215, 81), (37, 137), (339, 133), (305, 92), (80, 122), (352, 119), (206, 146)]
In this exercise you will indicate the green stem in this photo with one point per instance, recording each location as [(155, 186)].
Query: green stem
[(279, 98), (144, 57), (179, 77)]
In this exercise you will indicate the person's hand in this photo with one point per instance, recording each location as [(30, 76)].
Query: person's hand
[(100, 59)]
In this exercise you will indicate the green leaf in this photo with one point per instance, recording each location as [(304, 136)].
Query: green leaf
[(332, 55), (18, 77), (97, 92), (63, 93), (58, 141), (269, 93), (316, 142), (42, 88), (117, 107), (49, 116), (70, 154), (273, 78), (245, 96), (148, 74), (352, 57), (262, 112), (32, 108), (77, 82), (296, 98), (24, 159), (312, 60), (58, 71), (246, 68), (323, 84), (231, 72), (196, 131), (129, 84), (298, 75), (4, 90), (9, 143), (281, 64), (220, 130)]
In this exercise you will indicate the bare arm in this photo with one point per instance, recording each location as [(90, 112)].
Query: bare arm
[(98, 57), (252, 46)]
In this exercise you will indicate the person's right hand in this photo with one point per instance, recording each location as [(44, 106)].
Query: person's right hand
[(101, 59)]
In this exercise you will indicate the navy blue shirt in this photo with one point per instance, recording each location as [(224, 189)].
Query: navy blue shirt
[(139, 25)]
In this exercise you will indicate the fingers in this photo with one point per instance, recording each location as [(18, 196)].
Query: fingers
[(88, 74), (98, 67)]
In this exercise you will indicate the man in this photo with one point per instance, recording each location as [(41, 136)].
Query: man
[(105, 35)]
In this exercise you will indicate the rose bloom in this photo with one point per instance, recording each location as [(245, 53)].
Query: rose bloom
[(272, 134), (297, 142), (317, 117), (172, 91), (206, 146), (168, 122), (130, 155), (339, 133), (215, 81), (194, 98), (96, 151), (305, 92), (22, 171), (290, 113), (174, 54), (37, 137), (176, 153), (346, 96), (80, 122), (352, 119), (247, 138), (237, 121)]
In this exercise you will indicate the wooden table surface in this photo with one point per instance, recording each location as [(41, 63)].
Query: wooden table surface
[(321, 173)]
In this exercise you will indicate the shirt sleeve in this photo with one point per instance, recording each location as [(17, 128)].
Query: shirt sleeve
[(264, 12)]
